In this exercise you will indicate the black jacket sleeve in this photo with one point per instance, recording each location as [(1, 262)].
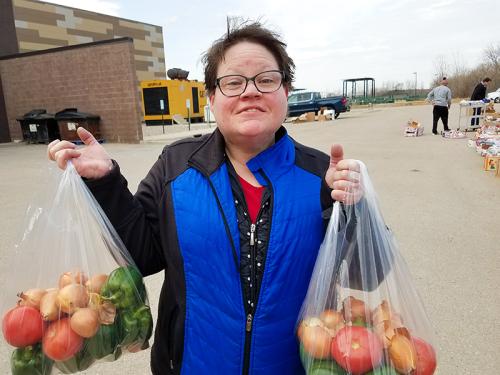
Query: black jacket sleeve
[(135, 217), (365, 245), (479, 92)]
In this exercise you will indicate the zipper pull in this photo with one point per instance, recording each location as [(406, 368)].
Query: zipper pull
[(252, 234), (249, 322)]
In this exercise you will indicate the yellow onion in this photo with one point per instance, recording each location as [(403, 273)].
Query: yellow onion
[(72, 297), (333, 320), (85, 322), (76, 277), (95, 301), (31, 297), (49, 309), (384, 312), (355, 309), (385, 331), (310, 322), (402, 354), (95, 283), (315, 339)]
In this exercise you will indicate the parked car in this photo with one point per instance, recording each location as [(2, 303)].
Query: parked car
[(300, 102), (495, 96)]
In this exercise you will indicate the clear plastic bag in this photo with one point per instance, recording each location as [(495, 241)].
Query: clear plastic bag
[(362, 313), (74, 296)]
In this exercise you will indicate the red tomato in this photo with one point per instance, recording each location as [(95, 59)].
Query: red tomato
[(60, 342), (357, 349), (426, 357), (22, 326)]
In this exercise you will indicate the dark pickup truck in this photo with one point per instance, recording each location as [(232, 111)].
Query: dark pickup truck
[(300, 102)]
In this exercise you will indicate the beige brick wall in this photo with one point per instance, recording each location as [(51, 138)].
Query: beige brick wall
[(98, 78), (41, 25)]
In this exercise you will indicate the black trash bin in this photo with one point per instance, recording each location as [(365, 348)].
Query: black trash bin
[(38, 126), (70, 119)]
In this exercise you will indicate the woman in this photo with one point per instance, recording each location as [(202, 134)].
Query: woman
[(234, 217)]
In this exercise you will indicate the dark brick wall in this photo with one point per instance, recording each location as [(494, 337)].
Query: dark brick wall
[(8, 38), (8, 46), (96, 78), (4, 123)]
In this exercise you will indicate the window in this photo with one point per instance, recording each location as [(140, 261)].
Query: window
[(300, 97), (152, 97)]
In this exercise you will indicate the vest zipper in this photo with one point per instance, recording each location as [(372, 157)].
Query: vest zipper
[(249, 322), (253, 272), (252, 309), (251, 305), (252, 234)]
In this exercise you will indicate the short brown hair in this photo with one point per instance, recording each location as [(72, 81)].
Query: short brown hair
[(246, 31), (487, 79)]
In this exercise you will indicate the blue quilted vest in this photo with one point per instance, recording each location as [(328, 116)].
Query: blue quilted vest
[(214, 337)]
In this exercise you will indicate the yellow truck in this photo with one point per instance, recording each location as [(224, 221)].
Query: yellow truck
[(164, 98)]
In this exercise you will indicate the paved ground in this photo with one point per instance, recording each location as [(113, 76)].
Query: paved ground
[(443, 208)]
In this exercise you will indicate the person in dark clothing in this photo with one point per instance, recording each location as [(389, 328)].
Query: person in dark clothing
[(479, 93), (235, 218), (440, 97)]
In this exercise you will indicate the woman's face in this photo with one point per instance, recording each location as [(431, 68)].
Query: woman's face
[(249, 120)]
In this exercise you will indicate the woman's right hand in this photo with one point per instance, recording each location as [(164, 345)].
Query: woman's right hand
[(91, 161)]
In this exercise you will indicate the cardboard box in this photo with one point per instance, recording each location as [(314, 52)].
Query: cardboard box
[(414, 129), (491, 163), (310, 116), (414, 132)]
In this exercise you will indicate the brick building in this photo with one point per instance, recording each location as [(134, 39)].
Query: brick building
[(97, 78), (57, 32)]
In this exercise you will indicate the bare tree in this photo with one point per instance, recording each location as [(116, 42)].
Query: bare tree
[(492, 56), (441, 68), (459, 66), (462, 79), (410, 85)]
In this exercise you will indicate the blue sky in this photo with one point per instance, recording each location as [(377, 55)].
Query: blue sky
[(329, 40)]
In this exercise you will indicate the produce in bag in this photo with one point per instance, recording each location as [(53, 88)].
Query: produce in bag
[(75, 296), (362, 314)]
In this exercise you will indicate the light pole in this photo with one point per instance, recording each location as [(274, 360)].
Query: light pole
[(415, 84)]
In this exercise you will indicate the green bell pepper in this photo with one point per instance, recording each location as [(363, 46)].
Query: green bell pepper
[(30, 360), (383, 370), (136, 326), (323, 367), (124, 288), (106, 341), (315, 366), (359, 322), (79, 362)]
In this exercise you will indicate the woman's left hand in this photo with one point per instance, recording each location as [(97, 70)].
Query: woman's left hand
[(343, 177)]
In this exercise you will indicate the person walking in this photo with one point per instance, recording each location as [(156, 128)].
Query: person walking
[(479, 93), (440, 97), (234, 219)]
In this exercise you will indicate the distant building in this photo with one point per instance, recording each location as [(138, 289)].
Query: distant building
[(28, 26)]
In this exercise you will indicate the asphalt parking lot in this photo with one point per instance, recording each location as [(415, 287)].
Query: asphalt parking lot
[(434, 195)]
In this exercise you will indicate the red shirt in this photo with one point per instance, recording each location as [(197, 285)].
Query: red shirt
[(253, 197)]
